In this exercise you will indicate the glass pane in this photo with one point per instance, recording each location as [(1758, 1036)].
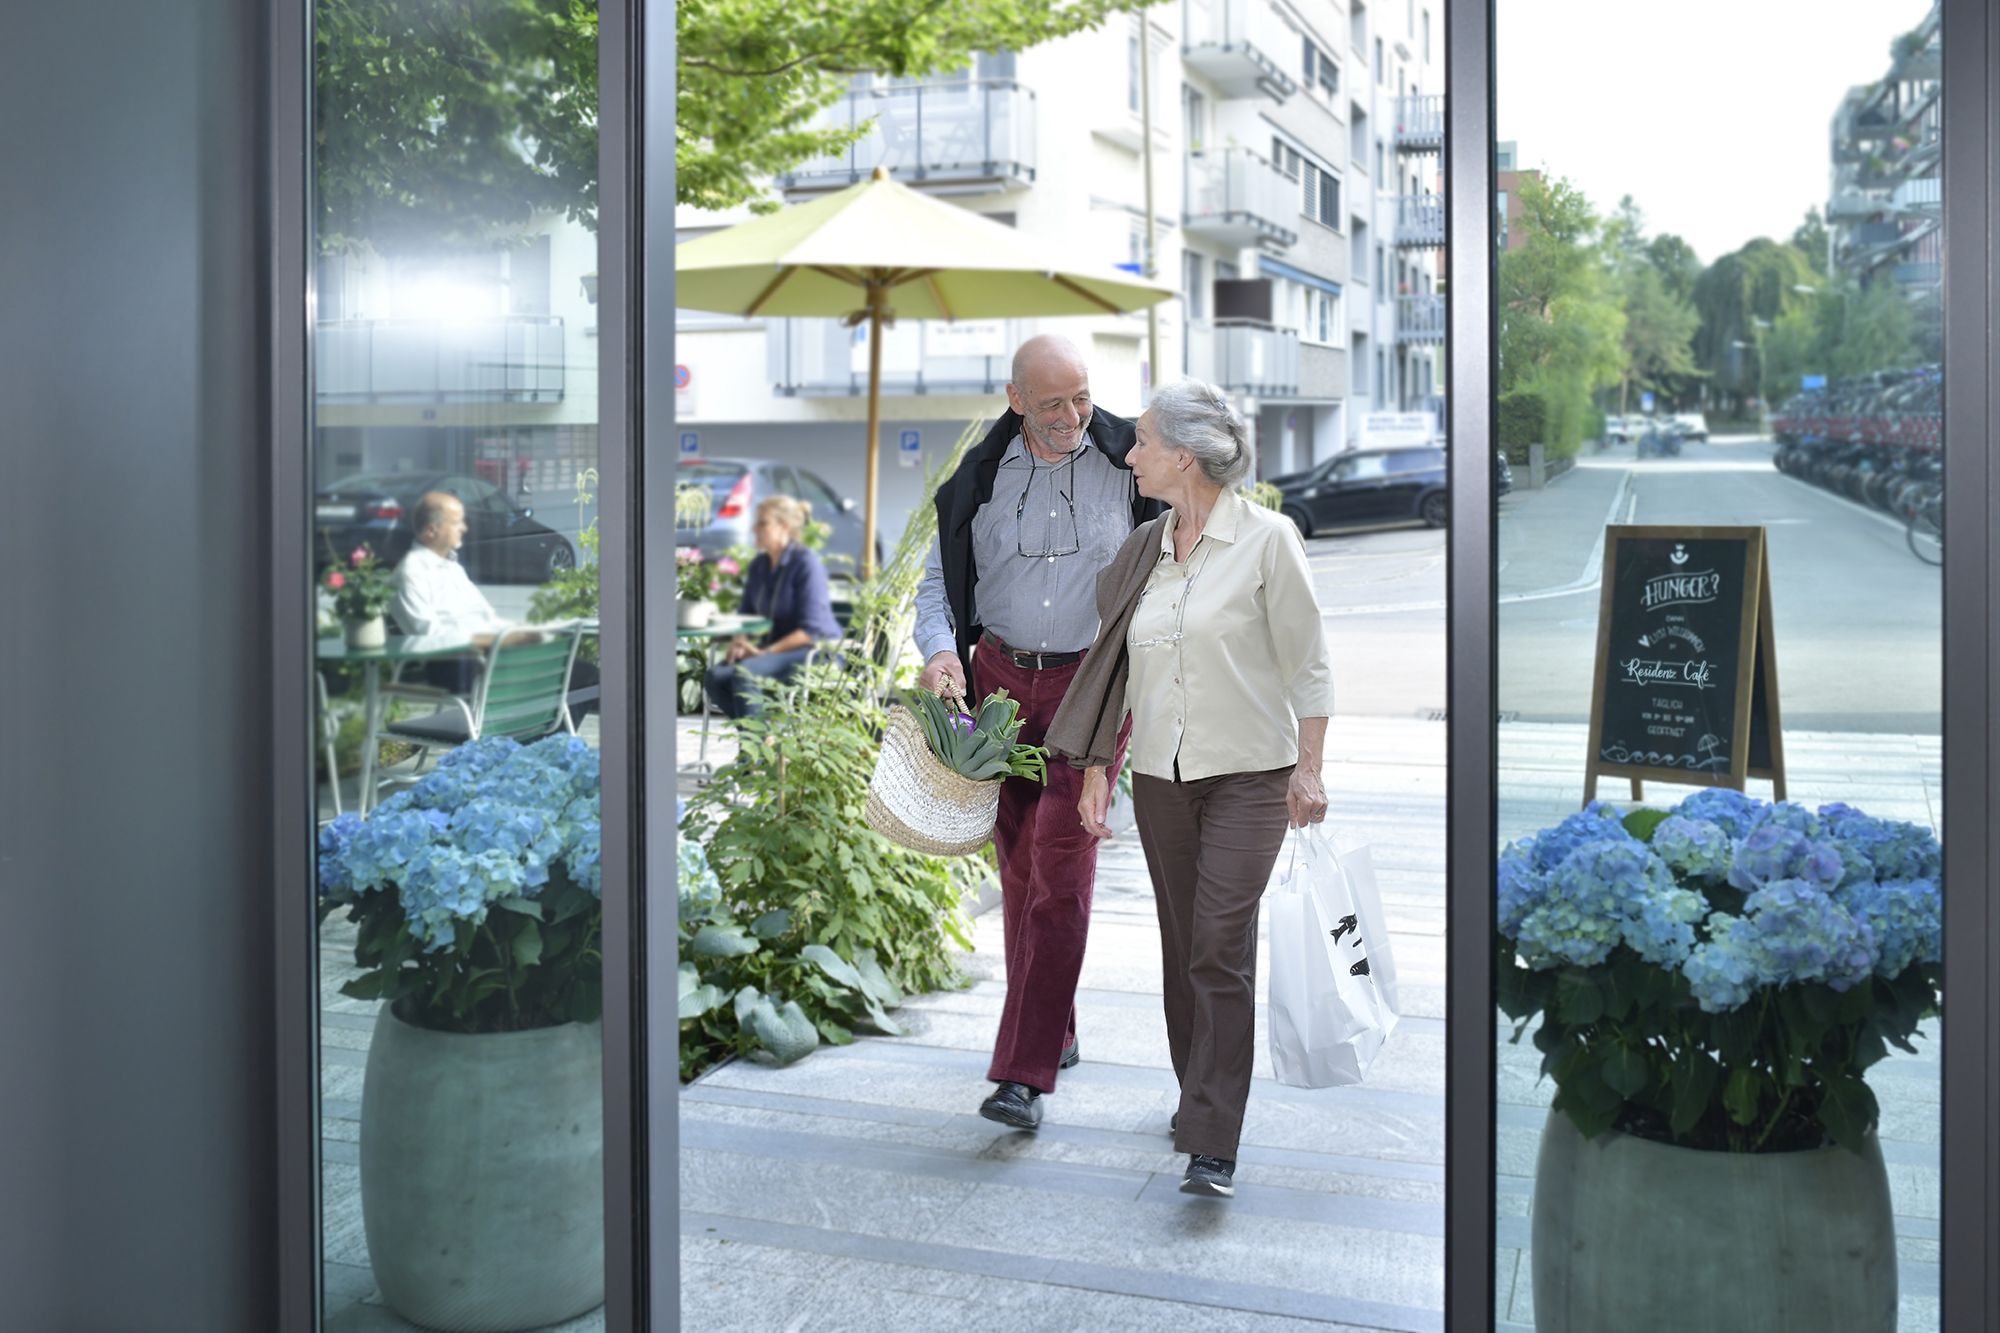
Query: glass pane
[(455, 457), (1718, 670)]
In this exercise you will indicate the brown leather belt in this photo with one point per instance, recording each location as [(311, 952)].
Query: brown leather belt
[(1027, 661)]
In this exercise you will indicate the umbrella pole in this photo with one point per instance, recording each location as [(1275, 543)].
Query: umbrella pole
[(874, 429)]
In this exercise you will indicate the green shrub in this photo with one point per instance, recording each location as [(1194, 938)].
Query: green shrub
[(1522, 420), (800, 871)]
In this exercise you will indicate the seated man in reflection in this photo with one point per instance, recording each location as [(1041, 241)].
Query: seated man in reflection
[(434, 594)]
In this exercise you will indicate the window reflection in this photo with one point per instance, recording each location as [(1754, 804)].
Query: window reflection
[(454, 522), (1719, 394)]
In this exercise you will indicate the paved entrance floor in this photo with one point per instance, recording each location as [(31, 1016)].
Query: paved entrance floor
[(859, 1189)]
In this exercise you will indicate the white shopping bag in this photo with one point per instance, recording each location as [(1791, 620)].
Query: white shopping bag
[(1332, 978)]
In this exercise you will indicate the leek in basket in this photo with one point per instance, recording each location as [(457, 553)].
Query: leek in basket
[(980, 748)]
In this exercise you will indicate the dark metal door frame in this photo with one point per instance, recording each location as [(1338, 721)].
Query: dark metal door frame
[(1970, 1270)]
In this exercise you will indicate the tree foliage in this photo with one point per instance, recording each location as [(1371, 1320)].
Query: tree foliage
[(1660, 322), (1739, 296), (1843, 332), (448, 124), (754, 73), (1561, 330)]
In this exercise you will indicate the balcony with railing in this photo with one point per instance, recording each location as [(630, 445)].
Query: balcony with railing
[(1244, 357), (1420, 123), (1241, 46), (1235, 197), (1420, 220), (822, 358), (504, 359), (965, 135), (1420, 319)]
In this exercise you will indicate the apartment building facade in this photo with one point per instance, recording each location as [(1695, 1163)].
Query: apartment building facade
[(1885, 205), (1295, 149)]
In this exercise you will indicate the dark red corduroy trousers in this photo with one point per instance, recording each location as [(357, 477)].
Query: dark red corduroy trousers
[(1048, 866)]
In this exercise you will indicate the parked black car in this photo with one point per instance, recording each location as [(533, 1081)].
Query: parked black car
[(503, 541), (1503, 474), (736, 486), (1368, 488)]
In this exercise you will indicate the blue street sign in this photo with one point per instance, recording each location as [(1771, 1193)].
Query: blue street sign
[(910, 448), (682, 377), (1646, 400), (690, 444), (1812, 381)]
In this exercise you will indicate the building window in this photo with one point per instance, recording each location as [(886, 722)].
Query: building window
[(1322, 75), (1380, 68), (1286, 158), (1357, 26), (1329, 199), (1357, 253), (1381, 266), (1357, 148), (1193, 290), (1194, 118), (1359, 362), (1380, 174), (1132, 71), (1427, 36)]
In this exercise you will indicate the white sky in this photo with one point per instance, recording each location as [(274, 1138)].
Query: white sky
[(1712, 114)]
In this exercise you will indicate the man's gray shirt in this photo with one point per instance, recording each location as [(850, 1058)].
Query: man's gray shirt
[(1037, 573)]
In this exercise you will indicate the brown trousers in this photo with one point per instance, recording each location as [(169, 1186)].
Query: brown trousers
[(1210, 847)]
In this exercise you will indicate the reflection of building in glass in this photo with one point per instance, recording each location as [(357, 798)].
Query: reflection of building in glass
[(1507, 207), (477, 367), (1298, 209), (1883, 211)]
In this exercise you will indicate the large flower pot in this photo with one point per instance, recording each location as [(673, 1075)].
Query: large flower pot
[(694, 615), (1636, 1236), (482, 1174)]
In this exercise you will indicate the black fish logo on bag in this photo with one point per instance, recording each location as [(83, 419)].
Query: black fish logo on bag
[(1348, 925)]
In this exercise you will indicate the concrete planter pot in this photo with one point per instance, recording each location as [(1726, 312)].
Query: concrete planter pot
[(1644, 1237), (482, 1174), (694, 615), (365, 634)]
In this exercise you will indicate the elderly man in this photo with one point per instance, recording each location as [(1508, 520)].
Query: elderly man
[(1036, 509), (434, 594)]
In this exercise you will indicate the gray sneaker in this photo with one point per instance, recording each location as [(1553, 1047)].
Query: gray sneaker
[(1210, 1176)]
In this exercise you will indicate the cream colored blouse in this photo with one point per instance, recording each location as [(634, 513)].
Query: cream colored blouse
[(1227, 649)]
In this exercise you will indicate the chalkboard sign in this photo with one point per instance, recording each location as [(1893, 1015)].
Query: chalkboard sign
[(1686, 683)]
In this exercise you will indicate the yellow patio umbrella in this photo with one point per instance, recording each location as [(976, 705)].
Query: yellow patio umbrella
[(880, 251)]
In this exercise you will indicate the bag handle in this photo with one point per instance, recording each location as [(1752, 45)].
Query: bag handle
[(1317, 842)]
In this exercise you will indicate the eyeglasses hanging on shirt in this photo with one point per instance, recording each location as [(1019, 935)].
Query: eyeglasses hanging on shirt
[(1049, 547)]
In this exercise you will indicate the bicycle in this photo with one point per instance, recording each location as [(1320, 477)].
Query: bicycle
[(1926, 528)]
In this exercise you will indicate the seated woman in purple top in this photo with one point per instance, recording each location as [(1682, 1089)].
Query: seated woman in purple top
[(787, 585)]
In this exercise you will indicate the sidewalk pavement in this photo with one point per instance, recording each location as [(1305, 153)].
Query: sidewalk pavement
[(860, 1188)]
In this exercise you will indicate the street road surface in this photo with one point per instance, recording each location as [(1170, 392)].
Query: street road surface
[(1857, 617)]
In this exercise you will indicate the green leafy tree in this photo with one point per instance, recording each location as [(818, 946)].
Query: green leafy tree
[(1676, 263), (1811, 240), (754, 73), (1659, 323), (1739, 296), (1842, 332), (449, 124), (1561, 329)]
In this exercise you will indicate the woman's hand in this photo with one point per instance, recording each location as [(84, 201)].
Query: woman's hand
[(740, 648), (1095, 803), (1305, 798)]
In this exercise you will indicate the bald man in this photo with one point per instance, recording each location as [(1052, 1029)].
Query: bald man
[(1009, 601), (434, 594)]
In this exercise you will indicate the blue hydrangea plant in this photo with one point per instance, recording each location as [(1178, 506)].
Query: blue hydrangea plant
[(477, 890), (1720, 975)]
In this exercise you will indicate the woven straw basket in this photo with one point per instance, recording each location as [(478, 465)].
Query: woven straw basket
[(916, 802)]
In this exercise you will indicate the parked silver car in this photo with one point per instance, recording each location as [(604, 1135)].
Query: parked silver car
[(736, 486)]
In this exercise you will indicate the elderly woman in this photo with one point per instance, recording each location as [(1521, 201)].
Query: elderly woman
[(786, 584), (1210, 635)]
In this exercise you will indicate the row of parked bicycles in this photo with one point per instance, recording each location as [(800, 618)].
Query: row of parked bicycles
[(1876, 439)]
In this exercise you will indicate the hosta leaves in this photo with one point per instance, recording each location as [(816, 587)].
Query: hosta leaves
[(697, 997), (722, 941)]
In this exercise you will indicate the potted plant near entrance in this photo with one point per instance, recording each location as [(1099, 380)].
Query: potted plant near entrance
[(362, 590), (476, 897), (1707, 986)]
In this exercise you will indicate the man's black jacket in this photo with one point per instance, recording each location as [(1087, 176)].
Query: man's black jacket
[(961, 495)]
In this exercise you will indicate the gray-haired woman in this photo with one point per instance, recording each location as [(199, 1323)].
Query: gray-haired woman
[(1210, 636)]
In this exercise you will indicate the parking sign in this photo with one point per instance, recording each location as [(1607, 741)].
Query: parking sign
[(690, 444), (910, 448)]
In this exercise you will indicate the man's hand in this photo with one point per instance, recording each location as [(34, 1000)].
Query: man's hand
[(944, 675), (1094, 806), (1305, 798)]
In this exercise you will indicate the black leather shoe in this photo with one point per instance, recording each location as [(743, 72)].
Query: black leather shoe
[(1071, 1054), (1174, 1123), (1210, 1176), (1014, 1104)]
